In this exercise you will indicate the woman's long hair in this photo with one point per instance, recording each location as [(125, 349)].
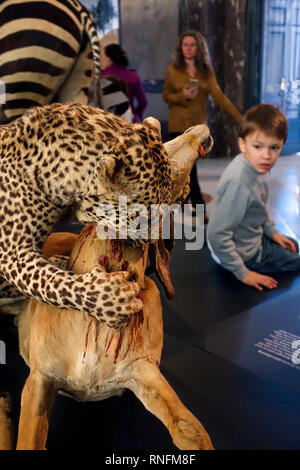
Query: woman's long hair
[(202, 59)]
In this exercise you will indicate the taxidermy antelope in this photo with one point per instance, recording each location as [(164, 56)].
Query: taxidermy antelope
[(70, 352)]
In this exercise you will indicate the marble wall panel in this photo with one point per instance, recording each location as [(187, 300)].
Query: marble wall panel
[(223, 23)]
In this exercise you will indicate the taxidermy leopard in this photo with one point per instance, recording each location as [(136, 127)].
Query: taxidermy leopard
[(65, 155)]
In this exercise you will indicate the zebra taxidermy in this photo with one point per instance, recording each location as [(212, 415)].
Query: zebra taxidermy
[(49, 51)]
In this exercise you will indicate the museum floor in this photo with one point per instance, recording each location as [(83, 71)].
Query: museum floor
[(224, 352)]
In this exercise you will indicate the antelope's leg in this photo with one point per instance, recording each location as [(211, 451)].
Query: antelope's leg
[(157, 396), (37, 400), (7, 429)]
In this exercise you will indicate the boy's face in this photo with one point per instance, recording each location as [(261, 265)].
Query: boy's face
[(261, 150)]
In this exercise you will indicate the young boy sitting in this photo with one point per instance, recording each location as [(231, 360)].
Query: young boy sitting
[(241, 236)]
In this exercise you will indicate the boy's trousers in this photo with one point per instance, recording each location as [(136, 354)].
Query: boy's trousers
[(272, 258)]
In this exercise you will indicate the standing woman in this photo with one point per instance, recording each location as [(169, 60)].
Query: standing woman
[(190, 79), (116, 63)]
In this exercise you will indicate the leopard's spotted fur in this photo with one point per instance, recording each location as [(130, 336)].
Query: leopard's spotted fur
[(52, 158)]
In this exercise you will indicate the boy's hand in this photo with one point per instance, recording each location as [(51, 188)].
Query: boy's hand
[(259, 281), (283, 241)]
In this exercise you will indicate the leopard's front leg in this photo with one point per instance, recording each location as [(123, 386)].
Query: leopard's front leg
[(109, 297)]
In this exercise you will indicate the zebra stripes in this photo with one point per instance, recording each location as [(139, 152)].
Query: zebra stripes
[(114, 98), (49, 51)]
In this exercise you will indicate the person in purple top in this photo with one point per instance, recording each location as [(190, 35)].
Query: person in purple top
[(116, 64)]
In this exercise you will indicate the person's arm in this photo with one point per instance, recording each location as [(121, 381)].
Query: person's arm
[(171, 95), (222, 100), (227, 215), (141, 101), (269, 228)]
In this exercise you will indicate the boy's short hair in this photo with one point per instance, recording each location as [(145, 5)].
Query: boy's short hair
[(265, 118)]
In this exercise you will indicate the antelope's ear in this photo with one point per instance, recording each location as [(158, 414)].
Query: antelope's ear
[(160, 258), (153, 124)]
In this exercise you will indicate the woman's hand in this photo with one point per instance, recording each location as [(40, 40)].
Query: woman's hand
[(283, 241), (190, 93), (259, 281)]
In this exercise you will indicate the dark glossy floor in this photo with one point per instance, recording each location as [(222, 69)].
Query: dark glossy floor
[(241, 409)]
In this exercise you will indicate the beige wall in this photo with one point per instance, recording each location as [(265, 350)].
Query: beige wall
[(149, 33)]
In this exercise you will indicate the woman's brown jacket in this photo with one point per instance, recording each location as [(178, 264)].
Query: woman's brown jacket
[(184, 113)]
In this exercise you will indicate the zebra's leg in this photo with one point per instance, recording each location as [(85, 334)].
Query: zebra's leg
[(76, 86), (3, 118)]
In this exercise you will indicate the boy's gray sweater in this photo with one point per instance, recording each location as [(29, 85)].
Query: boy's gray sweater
[(239, 217)]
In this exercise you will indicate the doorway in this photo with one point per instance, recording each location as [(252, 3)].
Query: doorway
[(280, 63)]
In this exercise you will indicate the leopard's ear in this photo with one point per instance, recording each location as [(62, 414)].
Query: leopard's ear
[(110, 166), (153, 124)]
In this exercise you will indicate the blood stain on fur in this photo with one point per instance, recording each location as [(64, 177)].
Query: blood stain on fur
[(118, 346), (87, 338)]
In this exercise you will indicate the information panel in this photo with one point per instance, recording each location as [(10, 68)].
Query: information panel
[(265, 340)]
